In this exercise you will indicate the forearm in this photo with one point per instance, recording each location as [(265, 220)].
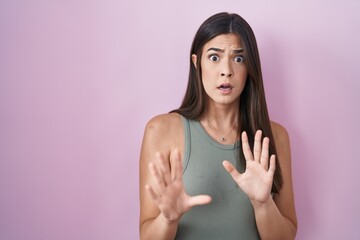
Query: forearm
[(158, 228), (271, 223)]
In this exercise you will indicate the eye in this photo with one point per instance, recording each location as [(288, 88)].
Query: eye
[(214, 58), (239, 59)]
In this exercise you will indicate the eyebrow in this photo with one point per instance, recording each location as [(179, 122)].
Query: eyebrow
[(222, 50)]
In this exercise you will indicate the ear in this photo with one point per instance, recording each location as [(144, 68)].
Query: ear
[(194, 59)]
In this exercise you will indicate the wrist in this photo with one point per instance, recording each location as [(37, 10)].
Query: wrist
[(169, 221), (262, 204)]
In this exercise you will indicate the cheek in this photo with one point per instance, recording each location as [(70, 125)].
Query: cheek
[(242, 73), (208, 81), (208, 72)]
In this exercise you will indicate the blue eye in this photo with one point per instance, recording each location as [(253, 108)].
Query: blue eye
[(213, 58), (239, 59)]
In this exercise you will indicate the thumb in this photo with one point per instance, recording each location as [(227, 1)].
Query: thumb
[(199, 200), (232, 170)]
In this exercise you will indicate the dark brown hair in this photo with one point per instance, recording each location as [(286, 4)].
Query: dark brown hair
[(253, 110)]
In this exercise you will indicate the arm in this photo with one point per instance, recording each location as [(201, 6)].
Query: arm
[(275, 218), (163, 199)]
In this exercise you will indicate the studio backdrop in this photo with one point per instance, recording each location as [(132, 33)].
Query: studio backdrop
[(80, 79)]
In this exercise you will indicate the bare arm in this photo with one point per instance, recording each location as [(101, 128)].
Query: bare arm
[(163, 199), (275, 218)]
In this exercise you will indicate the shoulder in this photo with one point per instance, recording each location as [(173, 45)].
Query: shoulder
[(280, 134), (164, 132), (282, 143), (283, 155), (162, 124)]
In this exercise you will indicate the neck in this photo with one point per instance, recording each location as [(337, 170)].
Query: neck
[(221, 117), (221, 122)]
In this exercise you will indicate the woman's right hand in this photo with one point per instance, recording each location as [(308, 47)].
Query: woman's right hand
[(167, 188)]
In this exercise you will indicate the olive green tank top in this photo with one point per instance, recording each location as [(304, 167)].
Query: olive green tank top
[(230, 214)]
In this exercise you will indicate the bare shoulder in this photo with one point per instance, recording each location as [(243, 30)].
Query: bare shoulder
[(280, 134), (164, 124), (282, 143), (164, 132), (164, 121)]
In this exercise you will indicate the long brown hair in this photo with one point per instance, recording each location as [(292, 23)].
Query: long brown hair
[(253, 113)]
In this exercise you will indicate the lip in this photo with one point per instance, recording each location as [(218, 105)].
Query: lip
[(225, 88)]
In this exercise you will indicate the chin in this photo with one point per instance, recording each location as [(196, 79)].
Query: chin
[(226, 101)]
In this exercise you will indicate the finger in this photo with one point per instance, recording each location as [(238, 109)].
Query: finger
[(199, 200), (164, 167), (152, 193), (176, 165), (159, 184), (246, 147), (264, 160), (272, 167), (257, 145), (232, 170)]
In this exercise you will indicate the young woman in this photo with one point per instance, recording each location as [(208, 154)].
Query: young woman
[(217, 167)]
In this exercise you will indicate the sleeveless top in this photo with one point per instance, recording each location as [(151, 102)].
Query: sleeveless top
[(230, 214)]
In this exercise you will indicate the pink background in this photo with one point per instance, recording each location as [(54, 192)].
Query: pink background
[(80, 79)]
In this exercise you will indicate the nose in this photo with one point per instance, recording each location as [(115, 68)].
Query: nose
[(226, 70), (229, 74)]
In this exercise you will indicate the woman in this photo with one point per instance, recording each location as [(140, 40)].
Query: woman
[(217, 168)]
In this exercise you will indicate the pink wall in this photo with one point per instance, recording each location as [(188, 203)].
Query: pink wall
[(79, 80)]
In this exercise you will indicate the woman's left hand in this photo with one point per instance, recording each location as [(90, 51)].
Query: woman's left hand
[(257, 179)]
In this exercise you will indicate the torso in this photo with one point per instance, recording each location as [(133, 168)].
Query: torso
[(230, 215), (165, 133)]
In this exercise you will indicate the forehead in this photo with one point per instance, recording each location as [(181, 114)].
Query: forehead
[(222, 41)]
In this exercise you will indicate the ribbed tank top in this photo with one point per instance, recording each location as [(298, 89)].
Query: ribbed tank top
[(230, 214)]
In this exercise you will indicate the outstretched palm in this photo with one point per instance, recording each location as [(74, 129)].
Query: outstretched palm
[(257, 179), (167, 189)]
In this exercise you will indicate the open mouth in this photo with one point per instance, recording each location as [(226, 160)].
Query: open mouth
[(225, 87)]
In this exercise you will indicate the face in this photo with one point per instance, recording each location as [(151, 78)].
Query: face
[(223, 69)]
